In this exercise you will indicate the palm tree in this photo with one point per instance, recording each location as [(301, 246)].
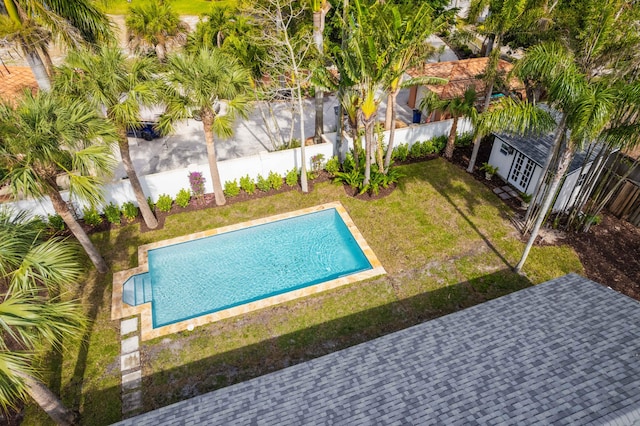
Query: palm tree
[(29, 262), (503, 15), (74, 22), (216, 86), (457, 107), (407, 33), (48, 137), (584, 107), (319, 8), (155, 25), (119, 87)]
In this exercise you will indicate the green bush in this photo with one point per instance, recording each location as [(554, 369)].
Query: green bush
[(129, 210), (183, 198), (231, 188), (55, 222), (400, 152), (151, 203), (291, 178), (464, 139), (275, 180), (263, 184), (415, 152), (333, 166), (164, 203), (112, 213), (91, 216), (439, 142), (247, 184)]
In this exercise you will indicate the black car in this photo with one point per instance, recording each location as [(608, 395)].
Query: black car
[(146, 130)]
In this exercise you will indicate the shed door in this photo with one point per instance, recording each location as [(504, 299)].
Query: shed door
[(521, 172)]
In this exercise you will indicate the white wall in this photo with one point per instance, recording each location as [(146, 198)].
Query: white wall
[(171, 182)]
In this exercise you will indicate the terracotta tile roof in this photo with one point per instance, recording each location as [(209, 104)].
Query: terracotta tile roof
[(461, 74), (14, 81)]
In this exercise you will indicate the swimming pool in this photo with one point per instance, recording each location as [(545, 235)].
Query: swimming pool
[(207, 276)]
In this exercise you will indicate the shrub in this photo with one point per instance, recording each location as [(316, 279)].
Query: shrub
[(332, 166), (263, 184), (196, 181), (231, 188), (415, 152), (91, 216), (151, 203), (164, 203), (129, 210), (291, 178), (112, 213), (464, 139), (401, 152), (316, 162), (275, 180), (247, 185), (439, 142), (55, 222), (183, 198)]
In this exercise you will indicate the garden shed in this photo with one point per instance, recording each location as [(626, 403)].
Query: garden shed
[(520, 160)]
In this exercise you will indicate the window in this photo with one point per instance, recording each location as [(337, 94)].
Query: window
[(505, 149)]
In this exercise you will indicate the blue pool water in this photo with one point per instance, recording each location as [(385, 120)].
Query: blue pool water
[(202, 276)]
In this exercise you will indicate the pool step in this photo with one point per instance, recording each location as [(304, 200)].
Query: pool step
[(137, 289)]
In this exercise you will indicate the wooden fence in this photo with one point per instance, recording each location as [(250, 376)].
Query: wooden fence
[(626, 203)]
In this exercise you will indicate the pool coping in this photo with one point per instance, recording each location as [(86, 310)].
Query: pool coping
[(120, 310)]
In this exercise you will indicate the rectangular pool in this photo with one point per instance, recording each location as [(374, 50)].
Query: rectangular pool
[(245, 267)]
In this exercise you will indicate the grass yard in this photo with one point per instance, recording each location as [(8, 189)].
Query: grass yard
[(444, 239), (182, 7)]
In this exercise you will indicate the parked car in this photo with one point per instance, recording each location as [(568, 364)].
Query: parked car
[(146, 130)]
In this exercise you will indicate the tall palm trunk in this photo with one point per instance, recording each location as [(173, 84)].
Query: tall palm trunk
[(303, 158), (48, 401), (487, 97), (149, 219), (390, 124), (318, 26), (61, 208), (563, 165), (451, 141), (207, 123), (368, 145), (37, 67)]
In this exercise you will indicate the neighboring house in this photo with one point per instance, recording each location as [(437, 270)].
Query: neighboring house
[(561, 352), (461, 74), (520, 160)]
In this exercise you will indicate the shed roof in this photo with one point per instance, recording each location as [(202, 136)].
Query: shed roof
[(461, 74), (538, 147), (14, 80), (562, 352)]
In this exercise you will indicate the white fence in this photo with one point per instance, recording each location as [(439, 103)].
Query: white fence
[(171, 182)]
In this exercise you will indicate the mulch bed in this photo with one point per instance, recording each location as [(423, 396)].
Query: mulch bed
[(609, 252)]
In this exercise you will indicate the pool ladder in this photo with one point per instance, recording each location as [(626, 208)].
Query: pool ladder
[(137, 289)]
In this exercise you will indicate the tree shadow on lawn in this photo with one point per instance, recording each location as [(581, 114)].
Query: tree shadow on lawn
[(213, 372), (94, 297)]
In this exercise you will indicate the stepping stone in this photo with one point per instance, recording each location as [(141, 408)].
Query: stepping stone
[(498, 190), (131, 401), (130, 344), (131, 381), (128, 326), (512, 193), (130, 361), (504, 196)]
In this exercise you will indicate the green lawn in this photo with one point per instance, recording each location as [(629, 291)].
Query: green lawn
[(182, 7), (444, 239)]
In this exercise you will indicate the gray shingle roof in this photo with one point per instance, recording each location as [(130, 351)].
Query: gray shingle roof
[(563, 352), (537, 148)]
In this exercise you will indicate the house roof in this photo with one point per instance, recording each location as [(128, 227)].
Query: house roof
[(538, 147), (461, 74), (14, 80), (562, 352)]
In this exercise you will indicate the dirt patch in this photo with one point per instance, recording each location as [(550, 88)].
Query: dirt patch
[(609, 252)]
